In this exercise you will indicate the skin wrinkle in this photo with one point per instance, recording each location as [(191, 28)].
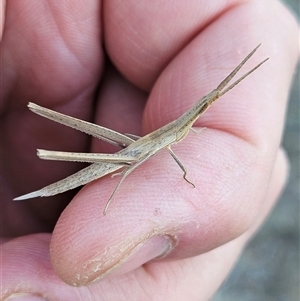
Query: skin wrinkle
[(210, 208), (130, 246), (63, 27), (20, 288), (125, 246), (112, 261), (65, 45), (189, 34), (247, 160)]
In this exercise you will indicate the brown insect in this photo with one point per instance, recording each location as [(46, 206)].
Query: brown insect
[(135, 150)]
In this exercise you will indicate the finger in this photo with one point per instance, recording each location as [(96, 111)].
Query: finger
[(212, 268), (51, 54), (120, 107), (201, 66), (44, 46), (151, 35), (218, 263), (37, 278)]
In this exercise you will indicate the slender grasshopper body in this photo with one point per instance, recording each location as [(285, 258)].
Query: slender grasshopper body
[(136, 150)]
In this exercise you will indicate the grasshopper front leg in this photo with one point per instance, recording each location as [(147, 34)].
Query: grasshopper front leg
[(180, 165)]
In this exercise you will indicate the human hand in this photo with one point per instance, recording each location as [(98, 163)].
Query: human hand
[(169, 56)]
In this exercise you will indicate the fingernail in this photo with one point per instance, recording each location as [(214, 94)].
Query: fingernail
[(24, 297), (155, 247)]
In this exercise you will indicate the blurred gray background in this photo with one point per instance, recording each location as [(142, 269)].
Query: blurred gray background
[(268, 270)]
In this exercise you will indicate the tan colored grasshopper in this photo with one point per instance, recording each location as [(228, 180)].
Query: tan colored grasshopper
[(136, 150)]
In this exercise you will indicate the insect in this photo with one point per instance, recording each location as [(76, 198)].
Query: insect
[(135, 150)]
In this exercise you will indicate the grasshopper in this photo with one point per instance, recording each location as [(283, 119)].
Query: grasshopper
[(135, 150)]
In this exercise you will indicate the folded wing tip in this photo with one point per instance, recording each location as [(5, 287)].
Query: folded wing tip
[(28, 196)]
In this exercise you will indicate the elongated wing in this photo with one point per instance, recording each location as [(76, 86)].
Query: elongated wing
[(94, 130), (82, 177), (85, 157)]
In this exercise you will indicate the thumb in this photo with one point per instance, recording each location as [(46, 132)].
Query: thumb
[(87, 247)]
